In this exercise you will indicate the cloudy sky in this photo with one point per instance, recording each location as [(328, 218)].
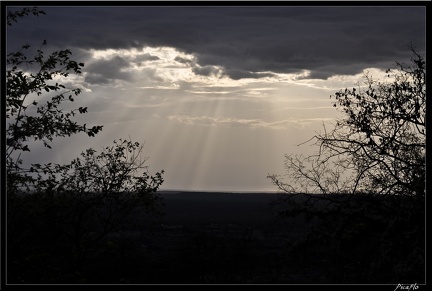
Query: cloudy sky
[(217, 94)]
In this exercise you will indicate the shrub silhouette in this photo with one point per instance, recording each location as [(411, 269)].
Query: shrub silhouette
[(58, 215), (366, 183)]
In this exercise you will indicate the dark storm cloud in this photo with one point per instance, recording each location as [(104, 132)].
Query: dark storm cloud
[(238, 74), (244, 41), (103, 71), (207, 71), (145, 58), (183, 60)]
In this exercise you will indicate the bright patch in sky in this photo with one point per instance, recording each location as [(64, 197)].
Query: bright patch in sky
[(206, 130)]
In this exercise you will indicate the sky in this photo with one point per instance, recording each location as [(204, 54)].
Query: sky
[(218, 95)]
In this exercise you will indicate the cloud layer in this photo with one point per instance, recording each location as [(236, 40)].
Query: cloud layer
[(242, 42)]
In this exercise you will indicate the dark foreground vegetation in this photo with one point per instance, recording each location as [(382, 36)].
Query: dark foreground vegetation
[(355, 242)]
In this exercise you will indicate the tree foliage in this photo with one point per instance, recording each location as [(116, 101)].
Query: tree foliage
[(365, 186), (59, 212), (377, 148), (95, 193), (108, 187), (13, 16), (31, 114)]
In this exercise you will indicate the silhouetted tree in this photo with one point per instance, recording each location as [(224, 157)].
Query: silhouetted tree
[(56, 212), (12, 16), (378, 148), (29, 81), (102, 190), (367, 180)]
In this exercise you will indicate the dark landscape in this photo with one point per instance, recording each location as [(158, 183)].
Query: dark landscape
[(218, 238), (233, 238)]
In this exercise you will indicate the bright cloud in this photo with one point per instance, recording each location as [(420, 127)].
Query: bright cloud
[(168, 65), (236, 122)]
